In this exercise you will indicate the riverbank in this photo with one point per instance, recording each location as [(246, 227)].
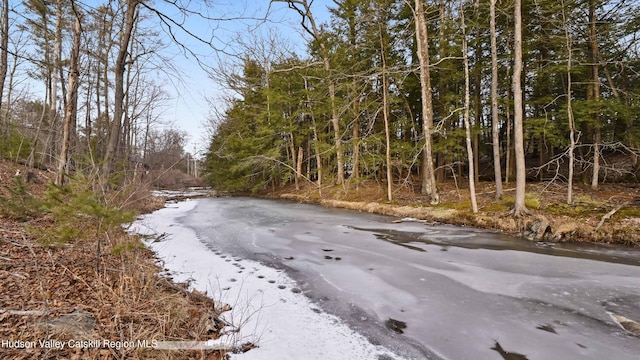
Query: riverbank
[(99, 294), (609, 215)]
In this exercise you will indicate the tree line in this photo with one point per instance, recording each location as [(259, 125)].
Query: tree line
[(81, 87), (413, 93)]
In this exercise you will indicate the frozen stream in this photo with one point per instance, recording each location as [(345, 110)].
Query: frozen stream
[(423, 291)]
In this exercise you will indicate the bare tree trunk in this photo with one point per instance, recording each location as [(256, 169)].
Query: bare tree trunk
[(508, 161), (102, 82), (467, 125), (47, 59), (106, 106), (87, 119), (120, 67), (356, 131), (355, 171), (8, 104), (385, 115), (595, 92), (519, 208), (299, 164), (57, 55), (335, 122), (495, 133), (572, 125), (126, 114), (422, 39), (317, 151), (476, 135), (4, 63), (294, 164), (316, 148), (72, 102), (51, 142), (31, 160), (443, 90)]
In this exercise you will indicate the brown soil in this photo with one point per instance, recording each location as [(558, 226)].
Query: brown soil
[(90, 290), (610, 214)]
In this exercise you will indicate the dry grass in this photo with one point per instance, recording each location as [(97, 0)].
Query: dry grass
[(121, 293), (111, 279), (576, 222)]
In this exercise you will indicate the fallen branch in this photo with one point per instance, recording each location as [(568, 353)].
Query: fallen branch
[(608, 215), (24, 312), (217, 345)]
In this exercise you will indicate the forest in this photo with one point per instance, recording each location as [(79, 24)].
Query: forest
[(413, 94), (407, 94), (83, 88)]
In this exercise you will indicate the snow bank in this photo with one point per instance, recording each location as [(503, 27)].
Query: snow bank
[(267, 306)]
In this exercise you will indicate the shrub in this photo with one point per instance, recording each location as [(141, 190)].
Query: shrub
[(15, 146), (79, 212)]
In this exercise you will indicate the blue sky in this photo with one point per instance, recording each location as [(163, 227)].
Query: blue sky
[(189, 89), (189, 108)]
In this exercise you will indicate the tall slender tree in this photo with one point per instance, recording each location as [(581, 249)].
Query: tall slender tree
[(422, 42), (72, 101), (594, 91), (115, 130), (4, 61), (495, 119), (519, 207), (572, 125), (385, 113), (467, 126)]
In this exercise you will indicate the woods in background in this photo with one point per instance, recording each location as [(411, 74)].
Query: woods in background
[(101, 102), (406, 93), (387, 87)]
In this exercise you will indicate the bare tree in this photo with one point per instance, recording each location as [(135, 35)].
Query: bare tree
[(316, 139), (422, 42), (56, 65), (72, 101), (467, 126), (131, 16), (495, 134), (385, 114), (4, 60), (572, 125), (519, 207), (19, 43), (39, 27), (594, 90)]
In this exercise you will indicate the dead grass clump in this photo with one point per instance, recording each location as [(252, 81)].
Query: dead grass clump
[(119, 290), (135, 196), (503, 223)]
